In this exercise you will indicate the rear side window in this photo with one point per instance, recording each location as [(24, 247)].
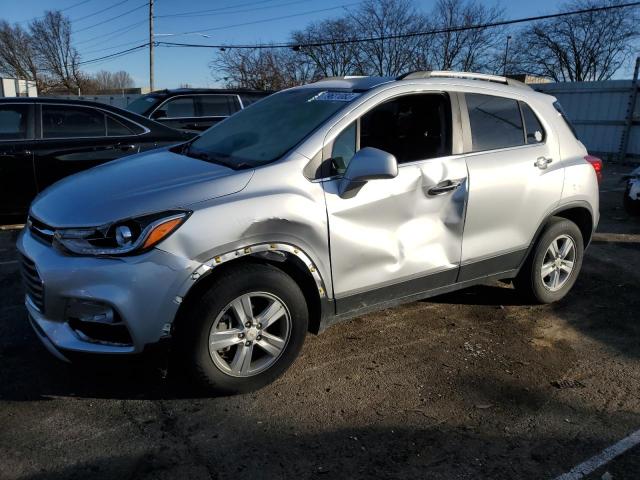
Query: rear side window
[(495, 122), (180, 107), (218, 105), (533, 127), (62, 121), (13, 122), (121, 127), (563, 114)]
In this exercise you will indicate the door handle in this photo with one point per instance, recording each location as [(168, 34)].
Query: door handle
[(542, 162), (444, 187), (126, 148)]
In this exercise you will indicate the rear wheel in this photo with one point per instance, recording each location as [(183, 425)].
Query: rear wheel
[(553, 265), (246, 330)]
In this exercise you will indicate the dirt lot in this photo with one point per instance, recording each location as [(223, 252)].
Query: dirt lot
[(469, 385)]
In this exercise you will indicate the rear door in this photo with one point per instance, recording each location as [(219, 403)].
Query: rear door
[(402, 236), (74, 138), (17, 181), (515, 180), (213, 108)]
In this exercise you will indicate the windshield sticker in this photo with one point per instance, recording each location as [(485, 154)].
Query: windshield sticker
[(334, 97)]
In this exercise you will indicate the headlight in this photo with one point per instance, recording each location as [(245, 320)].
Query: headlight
[(124, 237)]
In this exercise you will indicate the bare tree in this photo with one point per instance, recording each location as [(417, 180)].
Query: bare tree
[(384, 19), (262, 69), (105, 80), (590, 46), (55, 55), (466, 50), (333, 59), (17, 58)]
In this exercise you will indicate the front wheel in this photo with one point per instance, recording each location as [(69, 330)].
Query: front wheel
[(246, 330), (554, 263)]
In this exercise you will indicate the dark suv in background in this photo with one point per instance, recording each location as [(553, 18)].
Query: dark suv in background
[(194, 109)]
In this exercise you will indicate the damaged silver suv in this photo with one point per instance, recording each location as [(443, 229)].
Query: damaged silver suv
[(311, 206)]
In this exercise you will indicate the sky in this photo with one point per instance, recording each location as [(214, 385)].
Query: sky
[(102, 27)]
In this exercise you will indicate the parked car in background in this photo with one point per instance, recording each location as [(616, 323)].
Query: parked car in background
[(44, 139), (319, 203), (194, 109)]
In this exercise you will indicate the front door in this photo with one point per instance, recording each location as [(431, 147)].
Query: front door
[(515, 178), (402, 236)]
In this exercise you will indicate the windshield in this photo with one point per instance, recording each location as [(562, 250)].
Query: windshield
[(268, 129), (143, 104)]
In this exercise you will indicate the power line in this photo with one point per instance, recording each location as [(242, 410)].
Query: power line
[(62, 10), (99, 11), (113, 47), (102, 38), (321, 43), (112, 18), (197, 12), (370, 39), (263, 20), (217, 12)]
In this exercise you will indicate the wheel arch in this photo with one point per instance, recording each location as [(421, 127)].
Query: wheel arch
[(288, 258)]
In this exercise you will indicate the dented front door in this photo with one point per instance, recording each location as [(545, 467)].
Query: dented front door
[(397, 237)]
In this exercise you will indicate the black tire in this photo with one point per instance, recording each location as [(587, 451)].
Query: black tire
[(529, 281), (193, 339), (632, 207)]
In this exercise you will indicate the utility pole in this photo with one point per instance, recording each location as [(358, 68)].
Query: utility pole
[(151, 45), (506, 53)]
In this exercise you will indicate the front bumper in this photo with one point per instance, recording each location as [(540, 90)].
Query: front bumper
[(143, 291)]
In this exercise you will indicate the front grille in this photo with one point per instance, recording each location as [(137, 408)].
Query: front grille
[(40, 230), (32, 282)]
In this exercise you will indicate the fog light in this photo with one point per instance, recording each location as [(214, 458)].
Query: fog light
[(87, 311)]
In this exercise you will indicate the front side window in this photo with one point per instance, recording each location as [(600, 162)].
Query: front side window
[(270, 128), (180, 107), (13, 122), (412, 127), (218, 105), (65, 121), (495, 122)]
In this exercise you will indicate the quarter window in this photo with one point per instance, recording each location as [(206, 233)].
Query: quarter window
[(116, 128), (495, 122), (13, 122), (533, 127), (67, 121), (180, 107)]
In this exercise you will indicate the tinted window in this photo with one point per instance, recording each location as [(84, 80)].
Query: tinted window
[(344, 148), (116, 128), (270, 128), (533, 127), (144, 104), (67, 121), (180, 107), (218, 105), (413, 127), (495, 122), (13, 122)]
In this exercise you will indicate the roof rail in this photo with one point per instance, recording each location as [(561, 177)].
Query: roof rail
[(467, 75)]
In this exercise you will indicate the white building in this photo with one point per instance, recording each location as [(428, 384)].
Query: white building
[(14, 87)]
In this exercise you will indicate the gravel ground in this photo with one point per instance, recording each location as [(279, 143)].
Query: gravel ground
[(472, 385)]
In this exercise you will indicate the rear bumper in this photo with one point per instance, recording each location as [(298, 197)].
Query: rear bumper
[(141, 291)]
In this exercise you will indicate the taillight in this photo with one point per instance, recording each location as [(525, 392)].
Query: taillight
[(596, 163)]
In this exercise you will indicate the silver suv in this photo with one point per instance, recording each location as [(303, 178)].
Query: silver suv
[(314, 205)]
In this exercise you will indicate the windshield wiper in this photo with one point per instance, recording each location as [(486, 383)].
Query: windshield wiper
[(208, 158)]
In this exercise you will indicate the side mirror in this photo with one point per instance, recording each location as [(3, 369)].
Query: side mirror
[(367, 164), (159, 114)]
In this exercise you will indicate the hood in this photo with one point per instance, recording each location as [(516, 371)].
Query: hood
[(146, 183)]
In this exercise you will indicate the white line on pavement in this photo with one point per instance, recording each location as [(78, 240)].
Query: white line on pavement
[(604, 457)]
